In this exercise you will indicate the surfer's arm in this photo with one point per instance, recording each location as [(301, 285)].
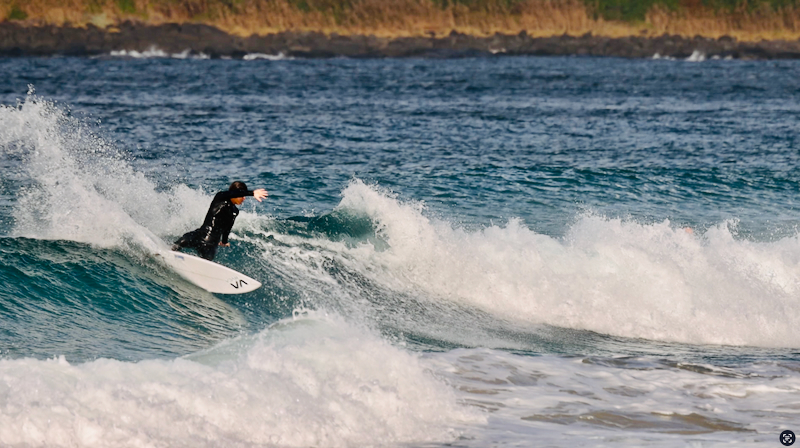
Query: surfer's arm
[(226, 195), (258, 194), (223, 241)]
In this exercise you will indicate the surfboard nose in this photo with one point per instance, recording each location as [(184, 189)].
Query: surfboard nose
[(212, 277)]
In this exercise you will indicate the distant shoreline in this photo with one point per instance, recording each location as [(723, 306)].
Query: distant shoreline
[(19, 40)]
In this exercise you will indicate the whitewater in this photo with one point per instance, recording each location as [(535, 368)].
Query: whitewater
[(478, 252)]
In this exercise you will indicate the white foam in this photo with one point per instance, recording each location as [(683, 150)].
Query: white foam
[(155, 52), (152, 52), (310, 382), (268, 57), (697, 56), (612, 276), (187, 54)]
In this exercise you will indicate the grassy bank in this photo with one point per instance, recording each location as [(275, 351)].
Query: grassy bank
[(745, 20)]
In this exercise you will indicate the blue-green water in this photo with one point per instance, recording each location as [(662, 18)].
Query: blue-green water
[(474, 252)]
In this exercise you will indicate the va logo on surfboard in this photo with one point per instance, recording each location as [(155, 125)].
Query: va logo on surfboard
[(236, 282)]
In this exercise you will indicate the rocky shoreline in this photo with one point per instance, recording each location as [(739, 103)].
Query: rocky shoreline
[(18, 39)]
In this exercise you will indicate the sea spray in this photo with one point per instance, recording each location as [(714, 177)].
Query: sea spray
[(74, 185)]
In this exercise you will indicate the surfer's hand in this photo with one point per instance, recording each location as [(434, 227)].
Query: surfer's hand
[(225, 244), (260, 194)]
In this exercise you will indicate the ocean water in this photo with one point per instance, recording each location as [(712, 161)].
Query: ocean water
[(466, 253)]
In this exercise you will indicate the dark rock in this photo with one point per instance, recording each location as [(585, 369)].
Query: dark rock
[(41, 40)]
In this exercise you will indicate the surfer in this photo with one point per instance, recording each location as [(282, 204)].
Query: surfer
[(219, 221)]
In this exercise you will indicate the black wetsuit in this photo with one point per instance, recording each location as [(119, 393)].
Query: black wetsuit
[(216, 227)]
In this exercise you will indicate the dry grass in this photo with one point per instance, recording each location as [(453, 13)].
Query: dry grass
[(395, 18), (744, 25), (384, 18)]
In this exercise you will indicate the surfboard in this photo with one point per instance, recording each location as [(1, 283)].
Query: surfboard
[(208, 275)]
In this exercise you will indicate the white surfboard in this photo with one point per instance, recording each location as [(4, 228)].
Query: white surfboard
[(208, 275)]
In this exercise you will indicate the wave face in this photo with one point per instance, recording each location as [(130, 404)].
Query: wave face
[(477, 252)]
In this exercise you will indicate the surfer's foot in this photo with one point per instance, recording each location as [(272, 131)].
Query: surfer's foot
[(175, 248)]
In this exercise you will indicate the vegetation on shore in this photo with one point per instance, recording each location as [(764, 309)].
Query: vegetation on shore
[(743, 19)]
